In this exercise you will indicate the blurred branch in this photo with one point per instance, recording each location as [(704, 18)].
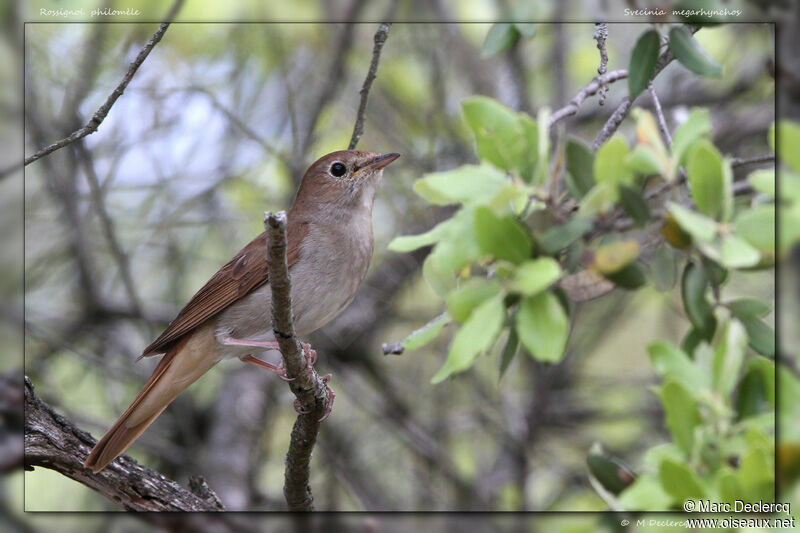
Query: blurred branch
[(313, 398), (53, 442), (380, 38), (101, 113), (662, 122), (594, 86), (109, 229)]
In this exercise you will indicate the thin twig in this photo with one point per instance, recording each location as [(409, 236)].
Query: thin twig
[(101, 113), (379, 40), (600, 35), (755, 160), (662, 122), (308, 387), (594, 86)]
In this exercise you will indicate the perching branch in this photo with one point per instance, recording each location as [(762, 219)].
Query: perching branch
[(52, 441), (313, 397), (379, 39), (101, 113)]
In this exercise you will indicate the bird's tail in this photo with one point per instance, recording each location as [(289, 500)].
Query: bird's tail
[(181, 366)]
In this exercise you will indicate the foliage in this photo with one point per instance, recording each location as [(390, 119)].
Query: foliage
[(500, 261)]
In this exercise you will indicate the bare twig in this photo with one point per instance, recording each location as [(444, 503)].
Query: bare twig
[(594, 86), (755, 160), (311, 391), (600, 35), (379, 40), (101, 113), (662, 122), (52, 441)]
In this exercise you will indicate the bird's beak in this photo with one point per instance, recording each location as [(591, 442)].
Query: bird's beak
[(381, 161)]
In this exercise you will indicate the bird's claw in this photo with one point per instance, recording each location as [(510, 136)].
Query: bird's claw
[(331, 395)]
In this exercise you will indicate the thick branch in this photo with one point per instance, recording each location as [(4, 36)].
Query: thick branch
[(311, 391), (52, 441), (101, 113), (379, 40)]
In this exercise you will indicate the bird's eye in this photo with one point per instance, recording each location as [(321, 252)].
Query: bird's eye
[(338, 169)]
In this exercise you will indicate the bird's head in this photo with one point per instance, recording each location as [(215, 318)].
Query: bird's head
[(343, 181)]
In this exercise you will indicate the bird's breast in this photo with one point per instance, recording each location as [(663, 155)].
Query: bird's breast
[(331, 266)]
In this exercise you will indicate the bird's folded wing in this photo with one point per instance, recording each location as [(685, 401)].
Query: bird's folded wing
[(238, 277)]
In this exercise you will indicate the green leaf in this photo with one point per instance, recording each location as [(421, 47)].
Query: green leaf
[(787, 135), (422, 336), (580, 164), (409, 243), (681, 414), (557, 238), (475, 336), (630, 277), (499, 136), (609, 164), (600, 199), (694, 283), (475, 291), (760, 336), (644, 160), (680, 482), (543, 326), (634, 205), (503, 238), (527, 30), (613, 257), (612, 474), (737, 253), (766, 369), (671, 362), (697, 126), (499, 37), (536, 275), (662, 268), (528, 160), (710, 181), (763, 181), (700, 227), (643, 61), (465, 184), (509, 351), (728, 357), (757, 226), (691, 55), (744, 308)]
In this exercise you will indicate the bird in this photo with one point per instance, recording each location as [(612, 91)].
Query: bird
[(329, 246)]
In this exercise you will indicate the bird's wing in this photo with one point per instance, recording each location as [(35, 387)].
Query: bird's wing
[(238, 277)]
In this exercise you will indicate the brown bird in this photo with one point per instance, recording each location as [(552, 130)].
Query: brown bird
[(329, 247)]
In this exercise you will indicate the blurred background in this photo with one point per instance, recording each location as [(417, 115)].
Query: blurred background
[(218, 125)]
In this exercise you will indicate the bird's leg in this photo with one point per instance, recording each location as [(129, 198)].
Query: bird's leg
[(278, 369)]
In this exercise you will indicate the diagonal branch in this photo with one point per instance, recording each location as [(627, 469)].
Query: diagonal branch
[(101, 113), (312, 393), (379, 39), (52, 441)]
